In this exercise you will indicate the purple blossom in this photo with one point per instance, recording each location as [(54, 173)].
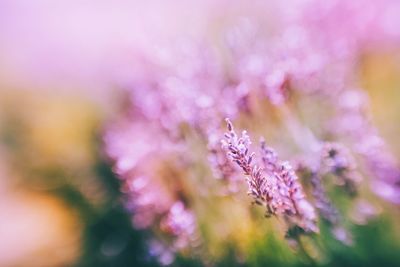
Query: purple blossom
[(328, 211), (182, 91), (153, 206), (278, 189), (222, 167), (181, 223), (325, 207), (146, 201), (268, 156), (261, 188), (338, 161), (354, 123)]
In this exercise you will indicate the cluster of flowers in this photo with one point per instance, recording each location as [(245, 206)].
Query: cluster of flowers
[(155, 203), (178, 98), (275, 186), (355, 126)]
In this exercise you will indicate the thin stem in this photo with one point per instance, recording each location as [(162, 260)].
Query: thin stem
[(304, 252)]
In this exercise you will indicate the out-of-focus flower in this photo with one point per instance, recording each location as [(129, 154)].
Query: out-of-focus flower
[(354, 123), (181, 223), (257, 71), (223, 168), (154, 206), (337, 160), (322, 203)]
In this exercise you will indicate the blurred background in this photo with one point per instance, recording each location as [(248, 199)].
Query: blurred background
[(62, 67)]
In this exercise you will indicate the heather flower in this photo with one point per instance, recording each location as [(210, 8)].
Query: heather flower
[(181, 223), (304, 214), (354, 123), (325, 207), (239, 148), (146, 201), (363, 211), (261, 189), (153, 206), (278, 189), (268, 156), (222, 167), (182, 91), (337, 160), (333, 160), (327, 210), (150, 205), (161, 252)]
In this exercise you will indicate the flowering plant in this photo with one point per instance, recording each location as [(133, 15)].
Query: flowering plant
[(183, 179)]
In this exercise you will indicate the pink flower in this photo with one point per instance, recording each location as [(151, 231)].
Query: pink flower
[(276, 187)]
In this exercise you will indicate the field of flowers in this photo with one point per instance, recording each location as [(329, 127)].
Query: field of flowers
[(210, 133)]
